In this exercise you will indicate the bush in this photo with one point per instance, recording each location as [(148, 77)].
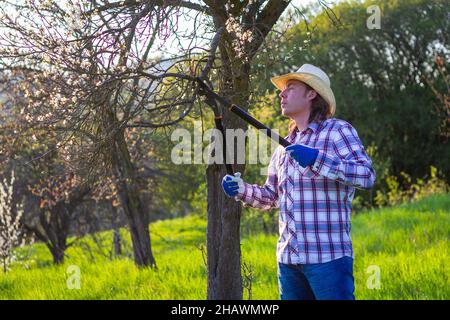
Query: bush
[(400, 190)]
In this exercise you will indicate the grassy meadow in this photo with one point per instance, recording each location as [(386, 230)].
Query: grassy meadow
[(408, 246)]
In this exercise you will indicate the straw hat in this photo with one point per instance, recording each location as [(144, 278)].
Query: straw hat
[(312, 76)]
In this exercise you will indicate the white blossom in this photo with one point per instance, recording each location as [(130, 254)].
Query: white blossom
[(10, 227)]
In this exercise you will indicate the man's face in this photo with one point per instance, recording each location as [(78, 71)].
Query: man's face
[(295, 98)]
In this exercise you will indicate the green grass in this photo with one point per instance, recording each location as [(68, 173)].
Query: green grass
[(410, 244)]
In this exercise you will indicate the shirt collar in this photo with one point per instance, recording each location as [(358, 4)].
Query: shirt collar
[(313, 126)]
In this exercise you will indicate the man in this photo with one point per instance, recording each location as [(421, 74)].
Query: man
[(313, 182)]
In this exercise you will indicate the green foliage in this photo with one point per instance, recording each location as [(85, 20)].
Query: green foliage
[(176, 190), (409, 244), (419, 189), (255, 221), (199, 202), (379, 82), (381, 78), (384, 82)]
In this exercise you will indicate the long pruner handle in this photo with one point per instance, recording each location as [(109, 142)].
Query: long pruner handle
[(241, 113)]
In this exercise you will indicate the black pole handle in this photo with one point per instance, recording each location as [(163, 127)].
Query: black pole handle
[(258, 125), (241, 113), (219, 126)]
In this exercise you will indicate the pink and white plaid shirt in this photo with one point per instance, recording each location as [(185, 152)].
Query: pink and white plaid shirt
[(315, 202)]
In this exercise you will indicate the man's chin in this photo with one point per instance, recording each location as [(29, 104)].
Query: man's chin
[(285, 113)]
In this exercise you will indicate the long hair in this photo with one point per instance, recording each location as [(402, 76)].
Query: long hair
[(319, 110)]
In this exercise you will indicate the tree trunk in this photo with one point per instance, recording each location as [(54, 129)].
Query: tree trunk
[(223, 227), (135, 213), (59, 225), (223, 240), (57, 254), (117, 243), (116, 237)]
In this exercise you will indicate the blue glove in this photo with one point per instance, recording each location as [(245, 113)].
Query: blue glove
[(305, 156), (233, 184)]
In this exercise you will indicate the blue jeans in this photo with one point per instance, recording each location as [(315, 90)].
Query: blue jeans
[(322, 281)]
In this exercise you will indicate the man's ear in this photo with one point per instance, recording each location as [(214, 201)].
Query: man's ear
[(312, 94)]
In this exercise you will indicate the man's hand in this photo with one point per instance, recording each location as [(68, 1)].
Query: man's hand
[(233, 184), (305, 156)]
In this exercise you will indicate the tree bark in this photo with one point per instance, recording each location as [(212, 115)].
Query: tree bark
[(58, 254), (223, 234), (223, 226), (223, 240), (53, 226), (57, 230), (116, 237), (134, 211)]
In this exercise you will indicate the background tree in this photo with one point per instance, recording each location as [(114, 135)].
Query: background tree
[(11, 232), (58, 200), (389, 83), (91, 78)]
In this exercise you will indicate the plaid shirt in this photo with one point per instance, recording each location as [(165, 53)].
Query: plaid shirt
[(315, 202)]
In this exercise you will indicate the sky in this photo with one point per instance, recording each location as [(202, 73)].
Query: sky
[(171, 44)]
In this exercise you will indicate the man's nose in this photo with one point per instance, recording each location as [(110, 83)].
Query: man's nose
[(282, 94)]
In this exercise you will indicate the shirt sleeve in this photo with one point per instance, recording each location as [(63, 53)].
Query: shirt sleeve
[(350, 165), (263, 197)]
